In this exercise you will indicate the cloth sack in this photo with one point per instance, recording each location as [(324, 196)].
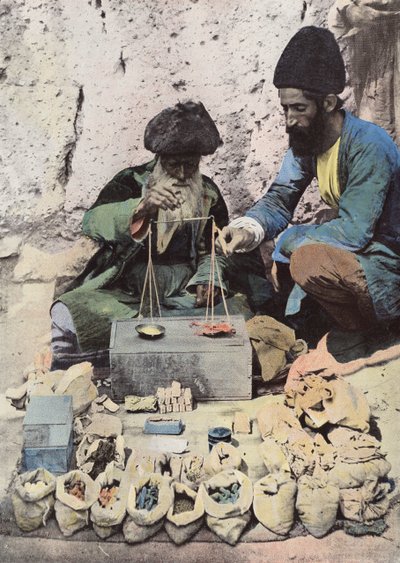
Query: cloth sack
[(175, 464), (33, 499), (348, 475), (227, 479), (365, 503), (276, 421), (274, 456), (77, 381), (192, 471), (133, 533), (359, 458), (317, 504), (274, 501), (135, 403), (229, 529), (325, 454), (274, 344), (87, 454), (229, 520), (181, 526), (223, 456), (144, 523), (107, 518), (300, 452), (329, 399), (138, 465), (72, 513)]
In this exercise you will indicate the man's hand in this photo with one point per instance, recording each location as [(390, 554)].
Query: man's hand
[(234, 239), (165, 195), (202, 294)]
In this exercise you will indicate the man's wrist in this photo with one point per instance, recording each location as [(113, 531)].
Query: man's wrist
[(252, 226)]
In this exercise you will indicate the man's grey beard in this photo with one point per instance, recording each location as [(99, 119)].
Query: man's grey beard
[(172, 220)]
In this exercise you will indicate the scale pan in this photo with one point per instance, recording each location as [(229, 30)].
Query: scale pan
[(217, 330), (150, 331), (216, 334)]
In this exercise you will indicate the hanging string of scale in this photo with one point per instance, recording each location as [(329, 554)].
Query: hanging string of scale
[(150, 283)]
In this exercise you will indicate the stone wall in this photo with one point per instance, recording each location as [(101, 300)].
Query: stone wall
[(80, 79)]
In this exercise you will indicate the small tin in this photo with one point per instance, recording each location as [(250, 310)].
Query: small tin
[(218, 434), (159, 425), (48, 434)]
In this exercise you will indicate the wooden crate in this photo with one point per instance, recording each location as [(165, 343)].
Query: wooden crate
[(214, 368)]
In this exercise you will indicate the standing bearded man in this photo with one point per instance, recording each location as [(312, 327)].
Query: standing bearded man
[(167, 190), (351, 264)]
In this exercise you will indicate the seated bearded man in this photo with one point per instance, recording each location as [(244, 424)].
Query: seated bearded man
[(166, 190)]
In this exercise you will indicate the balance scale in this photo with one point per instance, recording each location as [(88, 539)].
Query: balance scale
[(217, 368)]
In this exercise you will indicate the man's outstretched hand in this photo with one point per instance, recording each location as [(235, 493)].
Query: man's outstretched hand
[(233, 239)]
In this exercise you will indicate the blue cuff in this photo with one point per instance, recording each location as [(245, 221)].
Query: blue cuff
[(278, 257)]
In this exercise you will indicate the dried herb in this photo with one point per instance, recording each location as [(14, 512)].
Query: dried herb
[(183, 503), (102, 457)]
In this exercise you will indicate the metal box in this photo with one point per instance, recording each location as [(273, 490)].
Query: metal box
[(214, 368), (47, 433)]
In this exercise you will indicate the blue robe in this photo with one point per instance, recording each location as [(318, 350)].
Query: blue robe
[(368, 221)]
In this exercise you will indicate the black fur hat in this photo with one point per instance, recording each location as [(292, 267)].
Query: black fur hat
[(311, 61), (186, 128)]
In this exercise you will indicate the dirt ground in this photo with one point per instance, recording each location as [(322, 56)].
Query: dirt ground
[(25, 328)]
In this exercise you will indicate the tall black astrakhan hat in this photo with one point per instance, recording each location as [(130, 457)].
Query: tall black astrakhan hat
[(186, 128), (311, 61)]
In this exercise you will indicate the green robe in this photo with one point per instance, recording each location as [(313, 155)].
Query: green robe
[(110, 286)]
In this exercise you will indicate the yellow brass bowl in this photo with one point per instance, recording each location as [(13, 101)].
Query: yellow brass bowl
[(150, 331)]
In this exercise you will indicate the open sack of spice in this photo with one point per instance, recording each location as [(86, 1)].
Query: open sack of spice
[(227, 498), (33, 499), (274, 502), (186, 515), (75, 494), (108, 511), (274, 344), (192, 471), (149, 499), (94, 454)]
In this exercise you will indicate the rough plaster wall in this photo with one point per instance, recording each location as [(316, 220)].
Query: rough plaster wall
[(80, 79)]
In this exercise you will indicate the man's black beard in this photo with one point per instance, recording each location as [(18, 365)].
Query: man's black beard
[(307, 141)]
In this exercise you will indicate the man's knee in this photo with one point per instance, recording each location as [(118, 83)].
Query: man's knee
[(305, 264), (63, 332)]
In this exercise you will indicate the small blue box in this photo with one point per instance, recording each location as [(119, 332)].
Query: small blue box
[(159, 425), (48, 434)]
